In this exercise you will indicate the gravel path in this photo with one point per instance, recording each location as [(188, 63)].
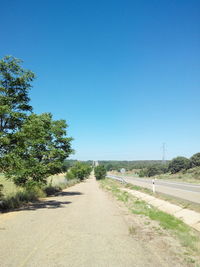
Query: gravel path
[(81, 227)]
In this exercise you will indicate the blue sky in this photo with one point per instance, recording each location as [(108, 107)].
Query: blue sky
[(124, 74)]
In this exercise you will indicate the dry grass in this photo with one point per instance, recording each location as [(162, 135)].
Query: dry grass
[(14, 197)]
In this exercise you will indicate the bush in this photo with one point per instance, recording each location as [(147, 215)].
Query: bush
[(70, 175), (178, 164), (195, 160), (142, 173), (51, 190), (153, 170), (79, 171), (109, 167), (100, 172), (20, 198)]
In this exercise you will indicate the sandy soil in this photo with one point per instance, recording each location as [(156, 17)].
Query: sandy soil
[(83, 226)]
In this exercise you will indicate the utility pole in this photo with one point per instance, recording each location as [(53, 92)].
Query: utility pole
[(163, 153)]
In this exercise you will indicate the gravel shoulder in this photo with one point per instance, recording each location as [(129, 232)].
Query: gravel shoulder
[(83, 226)]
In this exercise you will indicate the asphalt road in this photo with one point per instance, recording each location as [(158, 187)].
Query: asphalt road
[(185, 191)]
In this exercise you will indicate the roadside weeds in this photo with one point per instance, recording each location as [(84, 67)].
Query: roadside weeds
[(188, 238), (24, 197)]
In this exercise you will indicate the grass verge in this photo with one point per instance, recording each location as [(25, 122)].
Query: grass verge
[(187, 237)]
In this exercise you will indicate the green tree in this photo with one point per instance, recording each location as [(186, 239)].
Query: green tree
[(67, 164), (41, 148), (178, 164), (100, 172), (15, 83), (109, 167), (195, 160), (153, 170), (79, 170)]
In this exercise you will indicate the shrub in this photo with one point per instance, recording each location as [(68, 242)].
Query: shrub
[(153, 170), (195, 160), (20, 198), (70, 176), (79, 171), (51, 190), (142, 173), (100, 172), (178, 164)]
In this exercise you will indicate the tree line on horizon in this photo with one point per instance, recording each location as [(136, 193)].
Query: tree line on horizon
[(154, 167)]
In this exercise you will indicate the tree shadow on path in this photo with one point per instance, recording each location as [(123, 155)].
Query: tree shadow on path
[(66, 193), (49, 203)]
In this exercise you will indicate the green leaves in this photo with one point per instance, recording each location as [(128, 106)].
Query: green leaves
[(179, 163), (100, 172), (14, 88), (40, 149), (195, 160), (32, 147), (79, 171)]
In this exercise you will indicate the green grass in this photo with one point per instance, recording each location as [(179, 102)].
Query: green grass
[(187, 237)]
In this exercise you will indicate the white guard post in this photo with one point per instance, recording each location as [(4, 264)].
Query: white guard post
[(153, 186)]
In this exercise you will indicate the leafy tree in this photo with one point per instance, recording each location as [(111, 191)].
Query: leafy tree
[(153, 170), (79, 170), (142, 173), (41, 148), (109, 167), (195, 160), (178, 164), (100, 172), (15, 83), (67, 164)]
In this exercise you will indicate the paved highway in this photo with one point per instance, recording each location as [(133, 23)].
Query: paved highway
[(185, 191)]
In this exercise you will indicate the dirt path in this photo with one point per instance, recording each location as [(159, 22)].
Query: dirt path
[(81, 227)]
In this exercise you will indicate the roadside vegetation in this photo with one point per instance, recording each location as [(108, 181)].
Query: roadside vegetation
[(13, 197), (100, 172), (179, 168), (80, 171), (178, 165), (188, 238), (33, 147), (115, 165), (189, 176)]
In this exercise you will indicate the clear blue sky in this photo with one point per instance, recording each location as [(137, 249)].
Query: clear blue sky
[(124, 74)]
